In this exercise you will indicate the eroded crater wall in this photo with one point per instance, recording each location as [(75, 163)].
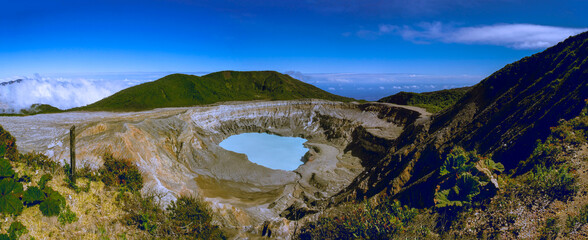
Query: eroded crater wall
[(177, 149)]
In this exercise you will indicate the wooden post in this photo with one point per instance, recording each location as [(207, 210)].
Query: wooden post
[(72, 152)]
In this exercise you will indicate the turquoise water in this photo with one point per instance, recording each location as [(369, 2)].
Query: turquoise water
[(268, 150)]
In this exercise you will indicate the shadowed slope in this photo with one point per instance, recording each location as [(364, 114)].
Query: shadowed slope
[(503, 115)]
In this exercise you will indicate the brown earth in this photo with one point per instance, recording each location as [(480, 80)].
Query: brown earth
[(177, 151)]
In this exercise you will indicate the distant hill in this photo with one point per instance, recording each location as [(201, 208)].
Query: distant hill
[(34, 109), (181, 90), (432, 101), (39, 109), (10, 82)]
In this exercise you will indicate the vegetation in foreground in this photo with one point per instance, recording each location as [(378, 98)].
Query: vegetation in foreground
[(431, 101), (39, 200), (476, 199)]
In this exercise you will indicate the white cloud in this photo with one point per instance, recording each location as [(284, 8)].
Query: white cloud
[(382, 78), (517, 36), (63, 93)]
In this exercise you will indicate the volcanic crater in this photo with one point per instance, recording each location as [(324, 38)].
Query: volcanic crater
[(178, 151)]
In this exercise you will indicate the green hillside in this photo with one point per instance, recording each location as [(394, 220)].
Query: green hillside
[(432, 101), (40, 108), (181, 90), (35, 109)]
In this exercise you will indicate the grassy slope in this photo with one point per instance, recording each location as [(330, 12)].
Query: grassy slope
[(40, 109), (432, 101), (35, 109), (180, 90)]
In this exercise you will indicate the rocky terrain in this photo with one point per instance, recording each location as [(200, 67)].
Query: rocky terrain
[(503, 116), (177, 151), (517, 137)]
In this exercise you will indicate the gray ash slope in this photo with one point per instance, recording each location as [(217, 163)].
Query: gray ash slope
[(177, 150)]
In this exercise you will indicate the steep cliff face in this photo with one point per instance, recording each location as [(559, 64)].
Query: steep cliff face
[(177, 150), (503, 115)]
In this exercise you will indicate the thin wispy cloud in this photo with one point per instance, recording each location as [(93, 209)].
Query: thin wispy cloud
[(516, 36), (373, 86), (375, 78)]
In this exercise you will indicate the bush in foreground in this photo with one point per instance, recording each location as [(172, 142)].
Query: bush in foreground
[(363, 221), (121, 173), (186, 218), (190, 216), (555, 182)]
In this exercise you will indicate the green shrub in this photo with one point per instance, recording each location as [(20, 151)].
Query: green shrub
[(53, 203), (464, 174), (187, 217), (6, 170), (87, 172), (142, 211), (557, 183), (546, 153), (574, 222), (38, 161), (192, 217), (16, 230), (44, 180), (567, 133), (10, 192), (74, 186), (189, 210), (493, 166), (8, 147), (67, 216), (549, 230), (460, 195), (457, 162), (362, 221), (32, 196), (24, 178), (121, 173)]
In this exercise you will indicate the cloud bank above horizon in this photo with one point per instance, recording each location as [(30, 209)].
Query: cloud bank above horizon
[(62, 93), (374, 86), (66, 91), (515, 36)]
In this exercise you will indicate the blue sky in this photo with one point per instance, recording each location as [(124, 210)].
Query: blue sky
[(309, 36), (426, 37)]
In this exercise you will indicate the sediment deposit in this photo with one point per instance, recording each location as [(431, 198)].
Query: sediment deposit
[(177, 150)]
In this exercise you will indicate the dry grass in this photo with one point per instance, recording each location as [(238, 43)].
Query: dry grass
[(515, 214), (97, 211)]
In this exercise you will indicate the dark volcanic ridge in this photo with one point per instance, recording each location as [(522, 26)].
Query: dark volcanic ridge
[(504, 115)]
